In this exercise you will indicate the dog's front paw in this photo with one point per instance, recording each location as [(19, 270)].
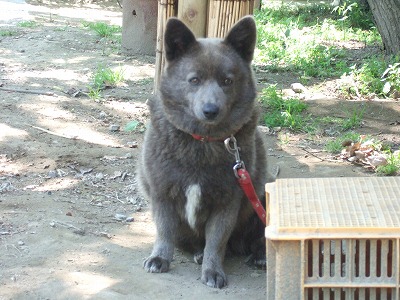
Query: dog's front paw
[(156, 264), (213, 278)]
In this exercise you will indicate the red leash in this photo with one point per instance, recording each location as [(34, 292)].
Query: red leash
[(248, 188), (244, 179)]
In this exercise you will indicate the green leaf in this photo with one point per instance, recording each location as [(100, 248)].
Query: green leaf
[(132, 126)]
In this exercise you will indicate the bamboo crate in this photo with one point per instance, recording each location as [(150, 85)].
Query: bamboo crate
[(206, 18), (333, 238)]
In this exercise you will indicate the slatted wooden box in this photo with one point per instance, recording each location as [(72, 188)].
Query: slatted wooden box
[(333, 238)]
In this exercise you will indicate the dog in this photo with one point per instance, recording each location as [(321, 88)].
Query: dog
[(207, 94)]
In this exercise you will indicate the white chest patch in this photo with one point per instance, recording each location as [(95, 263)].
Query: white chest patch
[(193, 196)]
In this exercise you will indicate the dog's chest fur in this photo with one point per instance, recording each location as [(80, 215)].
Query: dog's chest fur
[(192, 206)]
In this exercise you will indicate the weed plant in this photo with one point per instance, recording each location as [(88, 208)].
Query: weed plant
[(102, 29), (393, 166), (104, 78), (391, 79), (335, 145), (366, 78), (27, 24), (7, 33), (291, 113), (282, 112)]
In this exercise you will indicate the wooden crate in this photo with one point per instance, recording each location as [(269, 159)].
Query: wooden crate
[(333, 238)]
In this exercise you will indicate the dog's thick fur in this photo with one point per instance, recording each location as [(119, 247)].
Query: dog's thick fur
[(207, 89)]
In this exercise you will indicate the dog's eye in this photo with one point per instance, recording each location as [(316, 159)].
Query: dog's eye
[(227, 81), (194, 81)]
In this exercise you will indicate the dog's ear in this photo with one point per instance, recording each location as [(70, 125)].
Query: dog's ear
[(177, 39), (242, 37)]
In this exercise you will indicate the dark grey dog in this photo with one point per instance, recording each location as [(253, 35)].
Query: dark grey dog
[(207, 94)]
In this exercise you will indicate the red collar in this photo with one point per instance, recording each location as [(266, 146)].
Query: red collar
[(206, 138)]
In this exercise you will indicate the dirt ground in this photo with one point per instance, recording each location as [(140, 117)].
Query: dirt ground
[(72, 224)]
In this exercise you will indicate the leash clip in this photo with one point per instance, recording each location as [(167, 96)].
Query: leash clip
[(244, 179), (232, 147)]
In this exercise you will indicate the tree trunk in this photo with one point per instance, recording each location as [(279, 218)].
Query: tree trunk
[(139, 26), (386, 15)]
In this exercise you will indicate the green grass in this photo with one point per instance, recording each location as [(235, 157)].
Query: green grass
[(27, 24), (393, 166), (366, 78), (308, 39), (7, 33), (354, 119), (104, 78), (102, 29), (332, 125), (94, 93), (335, 145), (282, 112), (291, 113)]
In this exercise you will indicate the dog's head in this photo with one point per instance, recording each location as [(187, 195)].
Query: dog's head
[(207, 87)]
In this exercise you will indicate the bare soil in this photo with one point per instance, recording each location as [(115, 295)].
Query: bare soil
[(72, 224)]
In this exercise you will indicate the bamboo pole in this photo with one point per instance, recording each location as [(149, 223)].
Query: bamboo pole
[(229, 18), (236, 11), (214, 11), (222, 25), (166, 9), (159, 46)]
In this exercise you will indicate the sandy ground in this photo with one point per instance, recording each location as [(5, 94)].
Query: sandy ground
[(72, 224)]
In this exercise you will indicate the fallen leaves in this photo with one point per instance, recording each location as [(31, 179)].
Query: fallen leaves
[(366, 152)]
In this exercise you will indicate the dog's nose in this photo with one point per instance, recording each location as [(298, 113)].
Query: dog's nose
[(210, 111)]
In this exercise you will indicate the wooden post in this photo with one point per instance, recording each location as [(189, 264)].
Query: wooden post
[(166, 9), (194, 14)]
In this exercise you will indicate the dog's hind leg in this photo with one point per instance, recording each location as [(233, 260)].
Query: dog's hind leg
[(162, 254)]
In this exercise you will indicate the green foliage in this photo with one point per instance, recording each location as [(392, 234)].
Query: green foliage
[(354, 15), (304, 15), (132, 126), (136, 126), (289, 39), (94, 93), (27, 24), (305, 38), (393, 165), (104, 78), (282, 112), (391, 79), (353, 120), (336, 145), (331, 125), (7, 33), (103, 29), (366, 79), (289, 113)]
